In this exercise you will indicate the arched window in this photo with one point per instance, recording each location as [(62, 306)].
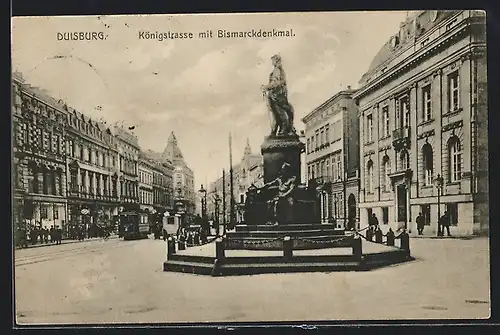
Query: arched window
[(455, 159), (386, 170), (427, 156), (369, 174), (404, 160)]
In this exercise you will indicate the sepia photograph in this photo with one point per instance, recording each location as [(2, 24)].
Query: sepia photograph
[(250, 167)]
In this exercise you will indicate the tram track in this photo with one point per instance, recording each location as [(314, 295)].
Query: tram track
[(45, 256)]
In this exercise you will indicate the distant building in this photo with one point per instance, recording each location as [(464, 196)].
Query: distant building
[(247, 172), (128, 149), (146, 173), (92, 174), (332, 156), (183, 178), (423, 114)]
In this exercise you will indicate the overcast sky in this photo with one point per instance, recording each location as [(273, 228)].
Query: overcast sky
[(200, 89)]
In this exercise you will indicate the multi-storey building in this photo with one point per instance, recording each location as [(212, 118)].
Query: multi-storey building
[(423, 116), (332, 157), (163, 199), (128, 150), (246, 173), (183, 178), (92, 160), (146, 182), (39, 157)]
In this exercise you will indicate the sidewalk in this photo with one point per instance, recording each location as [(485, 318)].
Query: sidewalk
[(39, 245)]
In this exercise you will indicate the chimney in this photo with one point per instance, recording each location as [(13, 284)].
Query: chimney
[(348, 87)]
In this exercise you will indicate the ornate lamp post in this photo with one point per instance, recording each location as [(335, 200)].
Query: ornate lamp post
[(216, 199), (438, 182), (203, 193)]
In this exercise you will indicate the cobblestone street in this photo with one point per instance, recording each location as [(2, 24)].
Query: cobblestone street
[(116, 281)]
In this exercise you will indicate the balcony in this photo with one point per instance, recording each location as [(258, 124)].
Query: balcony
[(82, 194), (401, 138)]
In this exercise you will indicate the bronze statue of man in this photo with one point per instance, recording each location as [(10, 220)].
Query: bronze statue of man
[(276, 94), (286, 184)]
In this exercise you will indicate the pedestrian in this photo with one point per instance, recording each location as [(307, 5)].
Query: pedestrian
[(58, 235), (420, 224), (445, 223), (373, 222), (52, 234), (46, 235)]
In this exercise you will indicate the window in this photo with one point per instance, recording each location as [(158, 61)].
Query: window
[(328, 167), (369, 174), (327, 130), (454, 91), (44, 212), (452, 209), (55, 144), (455, 159), (317, 140), (427, 156), (369, 128), (322, 136), (386, 170), (308, 145), (404, 160), (385, 122), (55, 213), (339, 166), (404, 112), (427, 103), (385, 215)]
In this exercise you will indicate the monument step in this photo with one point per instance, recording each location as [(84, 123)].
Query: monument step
[(275, 264), (272, 234), (192, 258), (282, 259), (187, 267), (289, 227)]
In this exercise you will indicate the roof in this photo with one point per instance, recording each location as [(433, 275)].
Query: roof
[(335, 97), (172, 151), (417, 23)]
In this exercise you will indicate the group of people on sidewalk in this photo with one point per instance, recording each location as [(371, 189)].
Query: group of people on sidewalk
[(444, 222), (39, 234)]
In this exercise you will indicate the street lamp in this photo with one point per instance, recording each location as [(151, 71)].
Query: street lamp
[(438, 182), (216, 199), (203, 193)]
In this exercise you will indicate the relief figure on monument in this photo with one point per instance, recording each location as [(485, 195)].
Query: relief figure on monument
[(276, 95), (283, 186)]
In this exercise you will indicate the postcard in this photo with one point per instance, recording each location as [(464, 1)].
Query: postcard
[(263, 167)]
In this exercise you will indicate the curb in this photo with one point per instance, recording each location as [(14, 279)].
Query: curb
[(39, 245)]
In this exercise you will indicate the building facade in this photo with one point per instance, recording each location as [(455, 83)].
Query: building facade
[(332, 157), (422, 106), (128, 153), (146, 182), (92, 161), (184, 193), (249, 171), (39, 158)]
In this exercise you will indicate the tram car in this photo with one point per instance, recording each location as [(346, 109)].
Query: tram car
[(133, 226)]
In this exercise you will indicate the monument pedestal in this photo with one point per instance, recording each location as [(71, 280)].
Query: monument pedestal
[(277, 150)]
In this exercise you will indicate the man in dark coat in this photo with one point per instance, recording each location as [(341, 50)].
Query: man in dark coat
[(445, 223), (373, 222), (420, 224)]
